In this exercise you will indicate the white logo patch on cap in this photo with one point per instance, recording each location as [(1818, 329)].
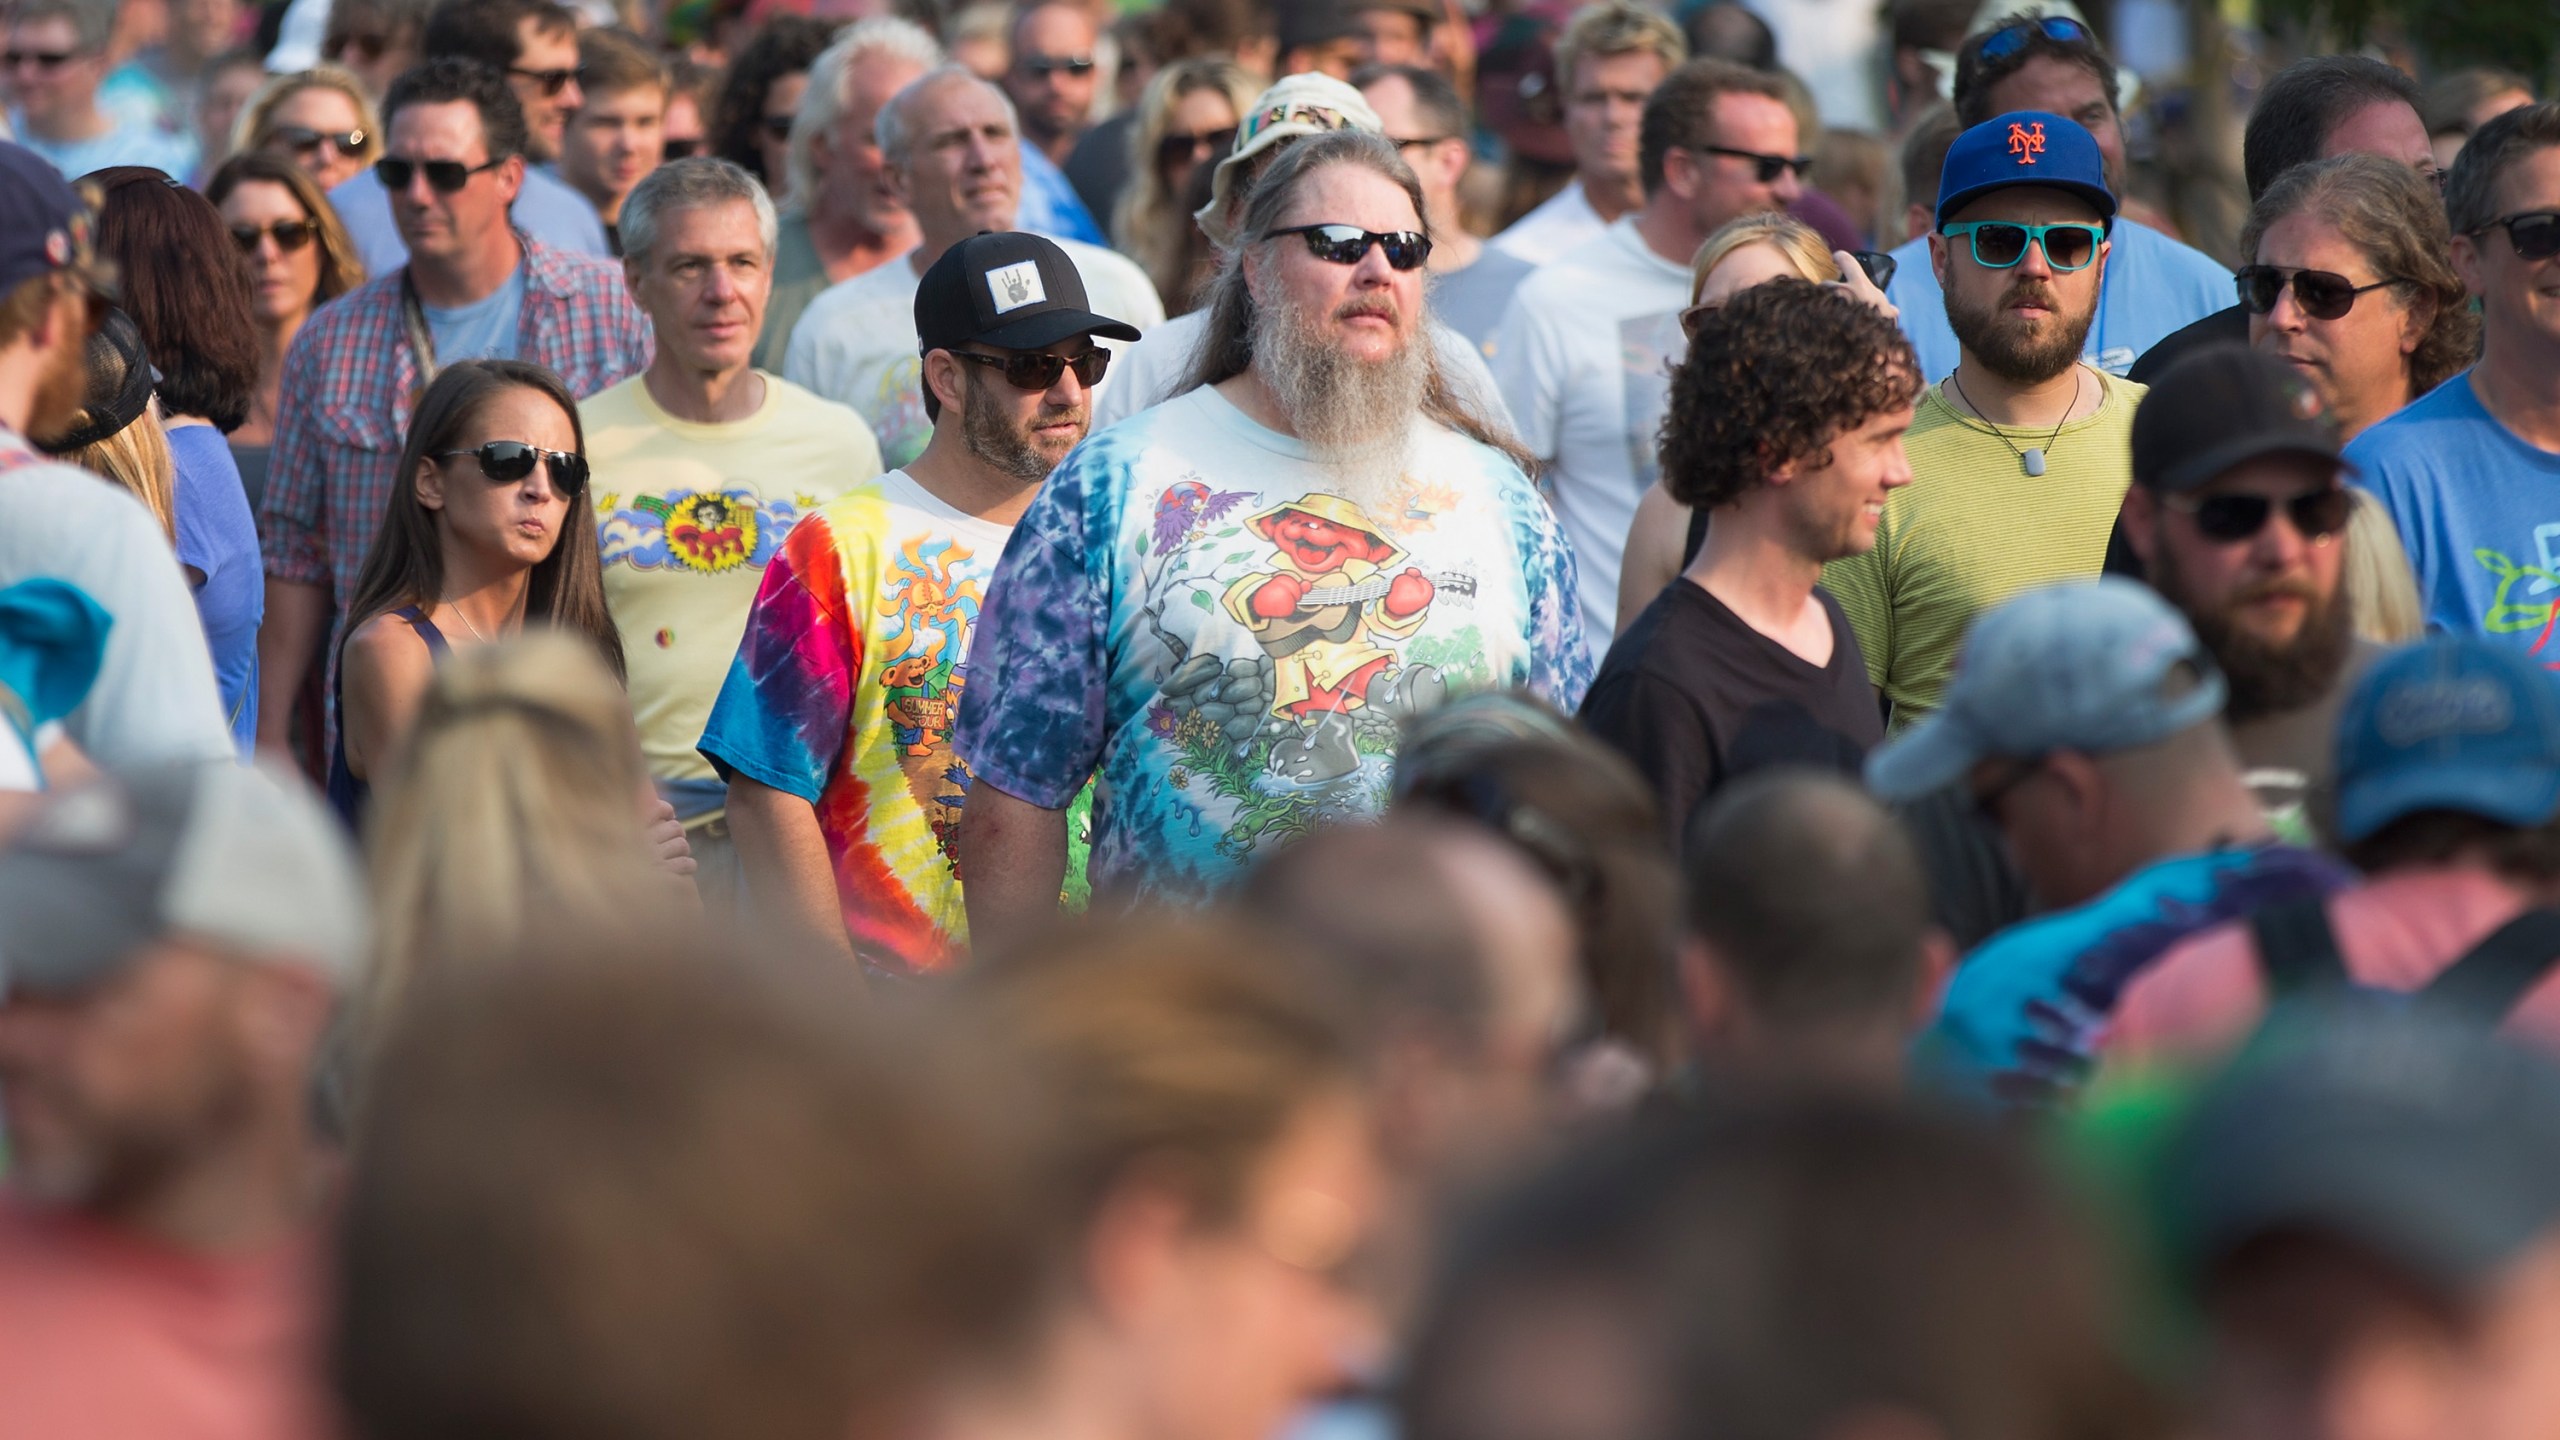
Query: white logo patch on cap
[(1016, 285)]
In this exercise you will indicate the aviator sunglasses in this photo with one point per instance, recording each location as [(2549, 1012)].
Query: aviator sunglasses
[(2318, 515), (508, 461), (2321, 294), (1038, 370), (1998, 244), (2534, 233), (290, 235), (445, 177), (1346, 244), (302, 140)]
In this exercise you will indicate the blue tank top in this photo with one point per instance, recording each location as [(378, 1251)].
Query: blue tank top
[(347, 794)]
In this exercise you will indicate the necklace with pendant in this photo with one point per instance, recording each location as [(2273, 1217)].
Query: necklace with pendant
[(2031, 459)]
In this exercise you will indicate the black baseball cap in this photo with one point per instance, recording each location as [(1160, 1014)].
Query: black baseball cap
[(2221, 406), (44, 227), (1007, 289), (120, 384), (2412, 1133)]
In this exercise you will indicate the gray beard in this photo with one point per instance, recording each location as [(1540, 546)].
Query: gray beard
[(1355, 416)]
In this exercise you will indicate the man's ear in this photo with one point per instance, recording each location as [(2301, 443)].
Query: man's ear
[(1680, 172), (510, 177), (1129, 1248), (2140, 520), (1939, 260), (2466, 257), (942, 376), (1929, 986), (1707, 995)]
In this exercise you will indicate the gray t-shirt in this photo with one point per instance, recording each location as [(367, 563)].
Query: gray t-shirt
[(155, 698)]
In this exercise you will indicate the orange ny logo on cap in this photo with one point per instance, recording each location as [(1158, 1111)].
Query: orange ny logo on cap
[(2026, 142)]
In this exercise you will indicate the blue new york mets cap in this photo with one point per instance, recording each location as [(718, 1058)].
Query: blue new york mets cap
[(2024, 147), (43, 225)]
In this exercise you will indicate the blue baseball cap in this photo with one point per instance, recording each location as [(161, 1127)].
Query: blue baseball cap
[(2093, 666), (43, 225), (2453, 723), (2025, 147)]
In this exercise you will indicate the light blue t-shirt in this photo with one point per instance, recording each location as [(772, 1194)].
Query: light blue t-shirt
[(2478, 509), (2026, 1012), (2154, 286), (1050, 204), (545, 209), (172, 152), (218, 537), (485, 329)]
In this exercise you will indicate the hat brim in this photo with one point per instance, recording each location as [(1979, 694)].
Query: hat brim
[(1222, 181), (1924, 760), (2096, 195), (2200, 470), (2494, 792), (1038, 332)]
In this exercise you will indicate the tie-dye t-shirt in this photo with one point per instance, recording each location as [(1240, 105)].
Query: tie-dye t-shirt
[(1188, 610), (854, 659)]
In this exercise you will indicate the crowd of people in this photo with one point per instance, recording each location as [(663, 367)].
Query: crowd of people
[(1257, 721)]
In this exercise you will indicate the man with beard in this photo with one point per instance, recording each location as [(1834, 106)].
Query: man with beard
[(833, 731), (154, 697), (1785, 427), (2238, 514), (177, 939), (2020, 458), (1226, 604)]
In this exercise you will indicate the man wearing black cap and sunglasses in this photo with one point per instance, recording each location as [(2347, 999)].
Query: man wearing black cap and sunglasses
[(2469, 472), (2238, 513), (833, 730)]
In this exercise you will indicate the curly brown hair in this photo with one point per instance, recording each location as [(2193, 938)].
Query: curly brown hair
[(1773, 376)]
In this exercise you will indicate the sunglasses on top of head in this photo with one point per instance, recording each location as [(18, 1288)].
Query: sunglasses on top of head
[(1346, 244), (2317, 515), (445, 177), (551, 81), (2322, 294), (2009, 39), (1038, 370), (506, 462), (2534, 233), (1998, 244)]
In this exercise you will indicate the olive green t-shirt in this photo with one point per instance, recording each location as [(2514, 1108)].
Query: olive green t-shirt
[(1973, 528)]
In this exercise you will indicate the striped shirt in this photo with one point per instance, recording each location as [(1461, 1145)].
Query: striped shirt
[(351, 380), (1973, 528)]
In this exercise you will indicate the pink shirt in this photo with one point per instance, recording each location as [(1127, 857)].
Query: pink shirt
[(108, 1336), (2394, 933)]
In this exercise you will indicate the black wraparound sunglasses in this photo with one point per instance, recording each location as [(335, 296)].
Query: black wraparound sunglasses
[(290, 235), (551, 81), (2318, 515), (302, 139), (508, 461), (1345, 244), (445, 177), (689, 146), (2534, 233), (1766, 168), (1037, 370)]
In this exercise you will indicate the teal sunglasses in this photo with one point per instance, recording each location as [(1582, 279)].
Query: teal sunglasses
[(1998, 244)]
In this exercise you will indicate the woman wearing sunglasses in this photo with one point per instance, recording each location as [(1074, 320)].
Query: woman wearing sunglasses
[(299, 256), (320, 117), (490, 529), (2349, 279), (1186, 122)]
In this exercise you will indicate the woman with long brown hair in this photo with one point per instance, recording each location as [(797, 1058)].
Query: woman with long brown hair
[(490, 529), (299, 258)]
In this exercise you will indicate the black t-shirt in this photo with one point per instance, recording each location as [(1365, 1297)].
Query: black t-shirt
[(1695, 696)]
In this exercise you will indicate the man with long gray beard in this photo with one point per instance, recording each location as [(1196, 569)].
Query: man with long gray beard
[(1225, 604), (2021, 457)]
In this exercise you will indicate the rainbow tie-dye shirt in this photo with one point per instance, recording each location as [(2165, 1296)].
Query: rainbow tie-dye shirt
[(843, 693)]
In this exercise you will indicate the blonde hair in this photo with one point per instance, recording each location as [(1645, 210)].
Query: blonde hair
[(1151, 224), (1617, 27), (2376, 578), (137, 458), (250, 128), (511, 812), (1800, 243)]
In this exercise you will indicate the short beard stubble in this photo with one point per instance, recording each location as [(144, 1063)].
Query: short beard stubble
[(1000, 443)]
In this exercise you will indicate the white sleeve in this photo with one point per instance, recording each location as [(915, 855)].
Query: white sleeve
[(800, 363), (1470, 377), (1528, 370), (155, 698)]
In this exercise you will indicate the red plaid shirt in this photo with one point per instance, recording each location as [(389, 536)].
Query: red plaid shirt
[(351, 381)]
